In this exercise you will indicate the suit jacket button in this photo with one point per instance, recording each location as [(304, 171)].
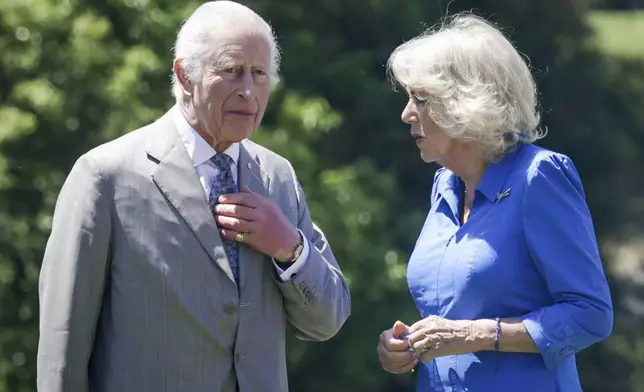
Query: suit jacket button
[(230, 308)]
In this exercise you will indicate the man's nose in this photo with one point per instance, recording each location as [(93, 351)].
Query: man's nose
[(247, 84)]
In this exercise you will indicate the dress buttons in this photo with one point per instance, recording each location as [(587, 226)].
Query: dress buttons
[(230, 308)]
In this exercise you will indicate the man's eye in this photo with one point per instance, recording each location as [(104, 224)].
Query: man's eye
[(230, 70)]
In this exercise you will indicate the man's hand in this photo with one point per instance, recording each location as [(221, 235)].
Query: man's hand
[(393, 350), (263, 224)]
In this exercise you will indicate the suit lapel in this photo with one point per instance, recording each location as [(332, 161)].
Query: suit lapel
[(176, 178), (250, 170), (250, 174)]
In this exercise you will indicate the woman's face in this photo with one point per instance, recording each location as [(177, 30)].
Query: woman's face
[(433, 144)]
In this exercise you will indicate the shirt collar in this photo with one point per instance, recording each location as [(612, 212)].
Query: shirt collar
[(494, 178), (198, 149), (491, 183)]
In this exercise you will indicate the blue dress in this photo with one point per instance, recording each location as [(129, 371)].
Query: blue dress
[(528, 251)]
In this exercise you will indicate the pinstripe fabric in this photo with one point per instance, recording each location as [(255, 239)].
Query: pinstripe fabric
[(136, 292)]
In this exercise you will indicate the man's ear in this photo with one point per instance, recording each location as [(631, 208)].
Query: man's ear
[(182, 77)]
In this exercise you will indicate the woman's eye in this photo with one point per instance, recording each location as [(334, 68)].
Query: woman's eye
[(418, 100)]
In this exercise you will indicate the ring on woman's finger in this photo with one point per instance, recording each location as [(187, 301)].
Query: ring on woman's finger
[(421, 349)]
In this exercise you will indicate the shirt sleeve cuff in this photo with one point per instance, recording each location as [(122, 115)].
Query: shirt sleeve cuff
[(290, 272), (553, 341)]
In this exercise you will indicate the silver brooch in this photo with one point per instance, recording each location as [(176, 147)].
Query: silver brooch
[(502, 195)]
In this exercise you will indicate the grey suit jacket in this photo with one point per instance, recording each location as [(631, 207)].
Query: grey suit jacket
[(136, 293)]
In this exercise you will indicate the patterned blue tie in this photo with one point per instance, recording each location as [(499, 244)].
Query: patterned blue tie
[(223, 183)]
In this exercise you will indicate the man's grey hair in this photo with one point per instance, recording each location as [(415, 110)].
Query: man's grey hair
[(194, 44), (476, 85)]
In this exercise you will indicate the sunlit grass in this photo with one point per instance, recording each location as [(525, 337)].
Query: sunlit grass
[(619, 33)]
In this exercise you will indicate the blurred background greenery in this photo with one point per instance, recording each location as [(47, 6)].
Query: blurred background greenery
[(75, 73)]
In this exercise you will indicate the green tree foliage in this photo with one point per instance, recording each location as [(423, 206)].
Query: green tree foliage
[(75, 73)]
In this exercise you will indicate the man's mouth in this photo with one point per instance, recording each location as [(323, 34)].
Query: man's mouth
[(240, 113)]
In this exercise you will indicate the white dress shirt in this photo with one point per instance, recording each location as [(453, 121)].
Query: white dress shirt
[(200, 152)]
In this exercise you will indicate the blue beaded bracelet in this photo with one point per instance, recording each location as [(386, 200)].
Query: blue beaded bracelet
[(498, 334)]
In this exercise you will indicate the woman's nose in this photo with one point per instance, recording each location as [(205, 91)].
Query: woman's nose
[(409, 114)]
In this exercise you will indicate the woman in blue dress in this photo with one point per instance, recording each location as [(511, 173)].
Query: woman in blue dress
[(506, 272)]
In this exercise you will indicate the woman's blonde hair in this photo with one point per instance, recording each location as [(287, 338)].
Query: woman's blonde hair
[(475, 83)]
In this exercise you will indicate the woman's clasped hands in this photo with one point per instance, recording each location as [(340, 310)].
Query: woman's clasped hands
[(401, 347)]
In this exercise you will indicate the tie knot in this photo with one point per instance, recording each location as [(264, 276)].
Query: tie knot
[(222, 161)]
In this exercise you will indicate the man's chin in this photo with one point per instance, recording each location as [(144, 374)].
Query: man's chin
[(239, 135)]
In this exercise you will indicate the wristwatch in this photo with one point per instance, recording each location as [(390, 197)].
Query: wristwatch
[(298, 249)]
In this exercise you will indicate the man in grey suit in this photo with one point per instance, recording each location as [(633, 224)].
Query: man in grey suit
[(181, 251)]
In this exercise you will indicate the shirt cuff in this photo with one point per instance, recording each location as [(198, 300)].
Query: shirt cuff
[(552, 335), (290, 272)]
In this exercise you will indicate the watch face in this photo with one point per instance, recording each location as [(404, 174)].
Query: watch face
[(298, 251)]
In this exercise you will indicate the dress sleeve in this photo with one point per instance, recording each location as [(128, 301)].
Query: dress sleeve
[(561, 240)]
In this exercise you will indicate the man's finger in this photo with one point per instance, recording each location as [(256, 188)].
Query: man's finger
[(240, 198), (238, 225), (236, 211), (229, 235)]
